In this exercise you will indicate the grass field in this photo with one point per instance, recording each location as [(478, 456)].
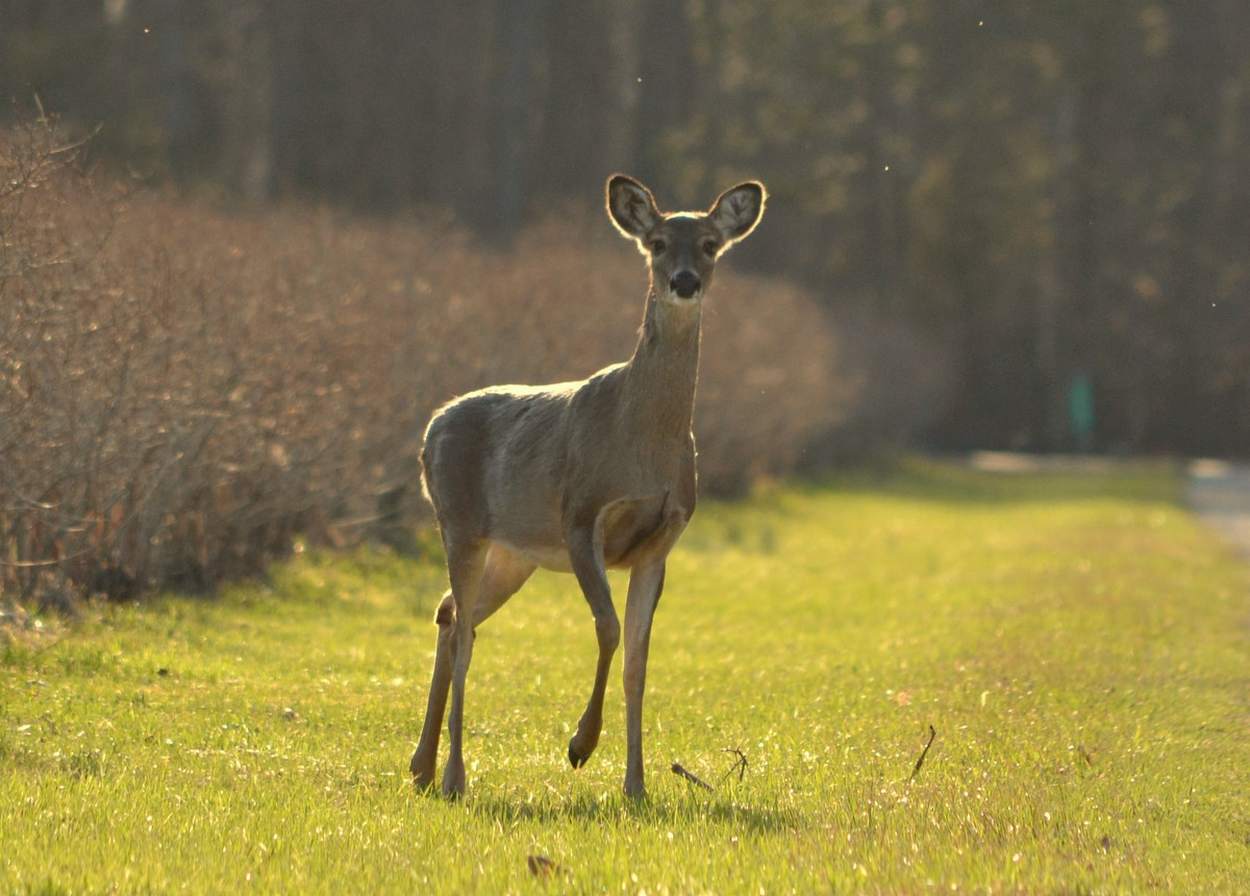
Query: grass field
[(1078, 642)]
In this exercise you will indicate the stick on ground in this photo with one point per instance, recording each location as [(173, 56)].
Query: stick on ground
[(740, 764), (923, 753), (691, 777)]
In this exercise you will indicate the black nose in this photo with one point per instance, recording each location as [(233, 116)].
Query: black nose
[(684, 283)]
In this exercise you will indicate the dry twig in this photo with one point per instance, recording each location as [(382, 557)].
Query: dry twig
[(923, 753), (691, 777), (740, 763)]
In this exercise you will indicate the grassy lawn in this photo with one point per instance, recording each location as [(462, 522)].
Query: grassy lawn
[(1079, 644)]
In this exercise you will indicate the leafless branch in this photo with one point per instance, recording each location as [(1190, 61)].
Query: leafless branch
[(691, 777), (923, 753), (739, 765)]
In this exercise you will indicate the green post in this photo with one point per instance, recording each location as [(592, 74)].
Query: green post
[(1081, 411)]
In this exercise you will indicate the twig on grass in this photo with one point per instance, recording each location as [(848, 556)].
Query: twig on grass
[(691, 777), (923, 753), (740, 764)]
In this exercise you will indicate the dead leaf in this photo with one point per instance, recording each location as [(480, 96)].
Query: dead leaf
[(541, 866)]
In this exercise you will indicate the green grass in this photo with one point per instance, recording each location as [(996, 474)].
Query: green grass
[(1079, 643)]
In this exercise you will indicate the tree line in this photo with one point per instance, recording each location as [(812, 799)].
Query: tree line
[(1053, 192)]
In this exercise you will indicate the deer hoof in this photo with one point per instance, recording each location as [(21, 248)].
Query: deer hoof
[(576, 758), (453, 782), (422, 772)]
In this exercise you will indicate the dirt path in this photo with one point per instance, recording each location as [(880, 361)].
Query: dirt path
[(1219, 493)]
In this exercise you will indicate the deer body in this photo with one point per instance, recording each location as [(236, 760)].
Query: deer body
[(579, 477)]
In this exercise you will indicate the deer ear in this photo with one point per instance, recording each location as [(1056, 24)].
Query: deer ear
[(631, 206), (738, 210)]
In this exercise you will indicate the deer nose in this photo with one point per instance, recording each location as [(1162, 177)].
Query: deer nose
[(685, 283)]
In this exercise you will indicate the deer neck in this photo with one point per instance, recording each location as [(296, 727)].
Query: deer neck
[(664, 370)]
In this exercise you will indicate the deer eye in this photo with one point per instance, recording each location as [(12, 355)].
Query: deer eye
[(657, 247), (710, 247)]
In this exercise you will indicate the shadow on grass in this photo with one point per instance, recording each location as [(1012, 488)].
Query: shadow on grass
[(658, 810)]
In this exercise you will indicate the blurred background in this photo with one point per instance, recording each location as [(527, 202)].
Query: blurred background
[(299, 226)]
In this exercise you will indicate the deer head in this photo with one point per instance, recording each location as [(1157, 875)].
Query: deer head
[(682, 248)]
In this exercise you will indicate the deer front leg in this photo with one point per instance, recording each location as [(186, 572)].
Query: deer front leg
[(646, 581), (586, 558)]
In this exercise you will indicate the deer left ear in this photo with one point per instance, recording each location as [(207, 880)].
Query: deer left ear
[(738, 210)]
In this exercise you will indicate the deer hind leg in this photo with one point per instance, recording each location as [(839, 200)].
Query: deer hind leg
[(426, 755), (586, 558), (465, 565), (503, 576)]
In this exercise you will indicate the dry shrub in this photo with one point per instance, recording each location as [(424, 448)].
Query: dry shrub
[(183, 389)]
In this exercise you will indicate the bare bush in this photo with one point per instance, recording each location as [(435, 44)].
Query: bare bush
[(183, 389)]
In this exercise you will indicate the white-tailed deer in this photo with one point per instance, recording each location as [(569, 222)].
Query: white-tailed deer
[(579, 477)]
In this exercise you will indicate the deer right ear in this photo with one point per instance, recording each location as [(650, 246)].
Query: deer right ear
[(631, 207)]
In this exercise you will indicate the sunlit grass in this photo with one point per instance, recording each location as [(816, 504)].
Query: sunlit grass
[(1078, 642)]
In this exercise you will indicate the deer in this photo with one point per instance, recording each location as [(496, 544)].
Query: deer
[(579, 477)]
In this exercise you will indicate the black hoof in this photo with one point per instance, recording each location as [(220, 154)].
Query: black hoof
[(576, 759)]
